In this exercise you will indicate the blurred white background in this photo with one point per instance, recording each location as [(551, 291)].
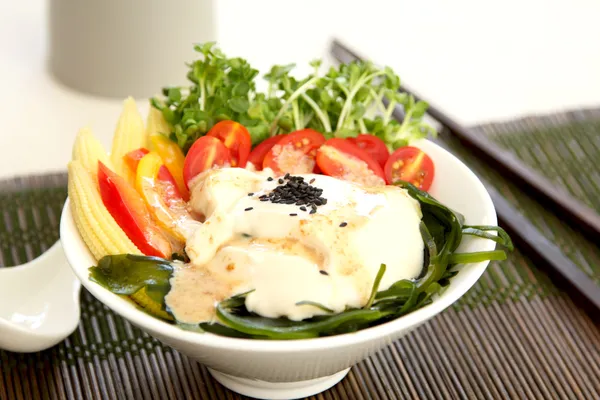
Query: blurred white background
[(477, 60)]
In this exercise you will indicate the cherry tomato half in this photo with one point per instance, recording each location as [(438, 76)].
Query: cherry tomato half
[(236, 138), (342, 159), (257, 155), (294, 153), (205, 153), (374, 147), (412, 165)]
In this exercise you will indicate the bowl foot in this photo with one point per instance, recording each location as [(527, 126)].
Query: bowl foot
[(277, 390)]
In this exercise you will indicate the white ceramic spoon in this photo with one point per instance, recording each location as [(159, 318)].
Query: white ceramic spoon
[(39, 302)]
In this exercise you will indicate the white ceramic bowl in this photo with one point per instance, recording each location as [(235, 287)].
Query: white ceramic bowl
[(298, 368)]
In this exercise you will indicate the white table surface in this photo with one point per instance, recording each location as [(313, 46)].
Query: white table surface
[(477, 60)]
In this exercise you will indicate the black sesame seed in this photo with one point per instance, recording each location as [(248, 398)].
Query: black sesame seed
[(295, 191), (293, 214), (250, 194), (265, 199), (323, 272), (248, 209), (312, 180), (312, 211), (269, 179), (303, 208), (343, 224)]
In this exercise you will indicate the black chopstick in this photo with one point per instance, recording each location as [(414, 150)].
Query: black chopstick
[(529, 240), (539, 249), (548, 194)]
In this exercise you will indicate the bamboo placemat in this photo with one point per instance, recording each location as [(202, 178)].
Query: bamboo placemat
[(514, 335)]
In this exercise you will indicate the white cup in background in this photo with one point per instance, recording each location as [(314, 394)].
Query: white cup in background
[(120, 48)]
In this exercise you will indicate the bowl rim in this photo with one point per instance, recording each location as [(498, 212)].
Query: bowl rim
[(74, 250)]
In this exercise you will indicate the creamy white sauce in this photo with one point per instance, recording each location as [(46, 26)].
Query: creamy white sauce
[(280, 257)]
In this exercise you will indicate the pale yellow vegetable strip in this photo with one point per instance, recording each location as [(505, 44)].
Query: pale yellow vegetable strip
[(156, 124), (99, 230), (130, 134), (88, 151)]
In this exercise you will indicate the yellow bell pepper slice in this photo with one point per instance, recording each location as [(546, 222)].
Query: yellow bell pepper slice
[(173, 158)]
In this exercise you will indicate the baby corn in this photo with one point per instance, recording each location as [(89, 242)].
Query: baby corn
[(130, 134), (156, 124), (88, 151)]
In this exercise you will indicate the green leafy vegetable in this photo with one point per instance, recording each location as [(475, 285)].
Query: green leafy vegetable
[(354, 98), (443, 227), (375, 288), (314, 304), (233, 316), (482, 231), (223, 330), (465, 258), (128, 273), (401, 290)]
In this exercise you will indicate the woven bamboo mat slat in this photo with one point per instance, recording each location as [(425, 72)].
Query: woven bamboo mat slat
[(514, 335)]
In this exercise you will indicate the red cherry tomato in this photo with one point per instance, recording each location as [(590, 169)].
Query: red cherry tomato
[(374, 147), (236, 138), (412, 165), (342, 159), (129, 210), (257, 155), (205, 153), (294, 153)]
